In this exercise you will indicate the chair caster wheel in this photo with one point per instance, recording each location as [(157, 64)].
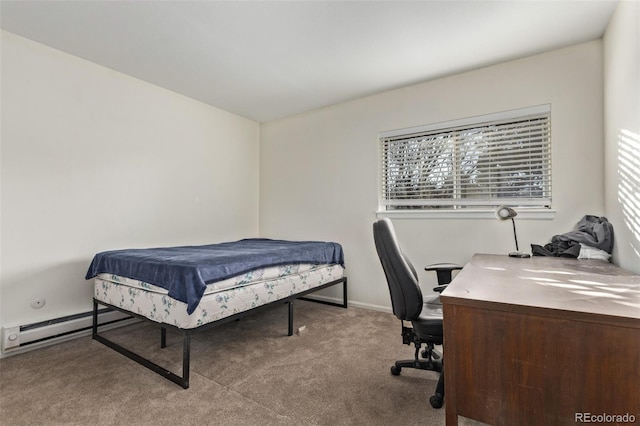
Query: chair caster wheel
[(436, 401), (395, 370)]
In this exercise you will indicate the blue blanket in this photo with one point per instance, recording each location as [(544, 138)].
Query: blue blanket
[(186, 271)]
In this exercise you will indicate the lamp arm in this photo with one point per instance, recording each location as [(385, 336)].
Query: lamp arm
[(514, 233)]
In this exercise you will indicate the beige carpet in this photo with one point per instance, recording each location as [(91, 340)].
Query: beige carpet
[(248, 372)]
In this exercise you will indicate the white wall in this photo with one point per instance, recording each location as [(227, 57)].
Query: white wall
[(94, 160), (622, 132), (319, 171)]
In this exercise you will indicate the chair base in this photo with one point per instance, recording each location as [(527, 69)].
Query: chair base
[(431, 360), (421, 364), (437, 399)]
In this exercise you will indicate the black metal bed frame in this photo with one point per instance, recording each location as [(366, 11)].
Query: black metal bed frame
[(186, 333)]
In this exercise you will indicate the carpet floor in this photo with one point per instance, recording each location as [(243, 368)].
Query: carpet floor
[(335, 371)]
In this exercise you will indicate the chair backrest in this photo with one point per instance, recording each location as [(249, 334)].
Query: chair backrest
[(406, 296)]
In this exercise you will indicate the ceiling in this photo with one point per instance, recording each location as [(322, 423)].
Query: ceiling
[(269, 59)]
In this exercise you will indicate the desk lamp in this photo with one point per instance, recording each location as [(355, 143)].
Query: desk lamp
[(504, 213)]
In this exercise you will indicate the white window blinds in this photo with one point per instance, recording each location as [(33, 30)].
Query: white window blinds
[(485, 163)]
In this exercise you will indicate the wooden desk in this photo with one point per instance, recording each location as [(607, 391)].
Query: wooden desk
[(539, 341)]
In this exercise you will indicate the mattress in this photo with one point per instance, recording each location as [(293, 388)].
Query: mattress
[(186, 270), (221, 299)]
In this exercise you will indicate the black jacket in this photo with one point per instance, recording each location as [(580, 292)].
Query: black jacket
[(592, 231)]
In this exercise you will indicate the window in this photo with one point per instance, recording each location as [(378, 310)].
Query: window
[(480, 162)]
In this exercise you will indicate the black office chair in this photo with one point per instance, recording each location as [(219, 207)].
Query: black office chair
[(408, 304)]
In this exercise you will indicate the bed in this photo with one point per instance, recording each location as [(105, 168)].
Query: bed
[(190, 288)]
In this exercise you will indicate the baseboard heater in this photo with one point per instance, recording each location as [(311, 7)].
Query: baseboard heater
[(44, 333)]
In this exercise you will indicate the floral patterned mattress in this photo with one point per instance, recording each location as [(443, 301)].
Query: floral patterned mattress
[(221, 299)]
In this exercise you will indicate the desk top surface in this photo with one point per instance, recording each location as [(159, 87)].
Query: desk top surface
[(547, 283)]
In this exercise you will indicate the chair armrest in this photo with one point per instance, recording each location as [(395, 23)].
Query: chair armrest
[(443, 270), (440, 288)]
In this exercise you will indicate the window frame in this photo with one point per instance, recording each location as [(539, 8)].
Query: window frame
[(468, 211)]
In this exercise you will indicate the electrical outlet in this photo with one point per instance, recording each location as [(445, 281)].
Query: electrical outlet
[(10, 337), (38, 303)]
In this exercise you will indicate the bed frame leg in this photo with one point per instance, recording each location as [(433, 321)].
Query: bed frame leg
[(94, 326), (290, 303), (186, 352), (163, 337), (186, 356), (344, 293)]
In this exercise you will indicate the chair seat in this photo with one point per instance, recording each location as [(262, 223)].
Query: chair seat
[(429, 323)]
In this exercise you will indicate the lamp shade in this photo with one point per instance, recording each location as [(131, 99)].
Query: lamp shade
[(504, 213)]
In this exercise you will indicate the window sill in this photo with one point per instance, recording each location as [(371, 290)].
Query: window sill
[(535, 214)]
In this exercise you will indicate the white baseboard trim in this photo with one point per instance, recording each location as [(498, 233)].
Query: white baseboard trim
[(353, 303)]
